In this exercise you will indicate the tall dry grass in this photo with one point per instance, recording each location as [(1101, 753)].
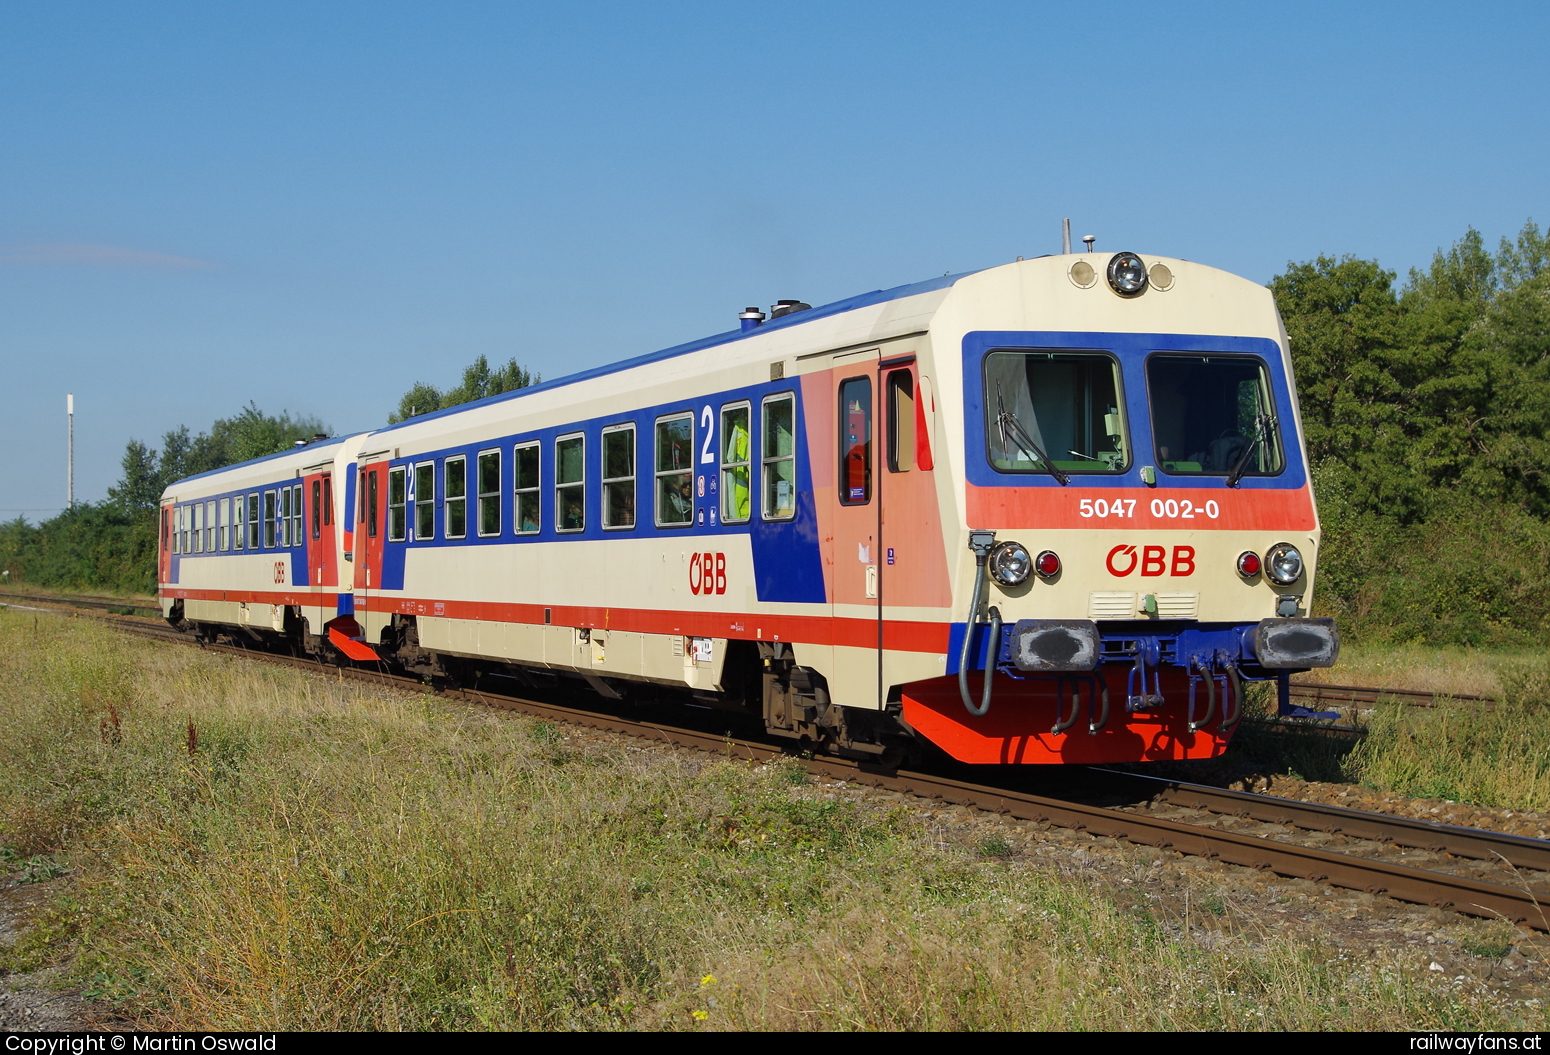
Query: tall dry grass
[(1496, 757), (1448, 669), (336, 856)]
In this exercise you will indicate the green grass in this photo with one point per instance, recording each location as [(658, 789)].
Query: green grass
[(1498, 757), (338, 856)]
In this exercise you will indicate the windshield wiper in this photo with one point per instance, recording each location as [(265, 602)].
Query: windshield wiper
[(1008, 422), (1262, 423)]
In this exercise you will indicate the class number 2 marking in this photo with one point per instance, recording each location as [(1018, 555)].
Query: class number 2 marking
[(708, 426)]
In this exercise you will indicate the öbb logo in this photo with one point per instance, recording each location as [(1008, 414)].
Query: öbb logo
[(1153, 560), (708, 573)]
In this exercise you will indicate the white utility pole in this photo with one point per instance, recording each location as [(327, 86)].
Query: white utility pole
[(70, 450)]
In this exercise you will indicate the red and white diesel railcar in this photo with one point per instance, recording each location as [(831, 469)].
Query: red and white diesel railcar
[(1053, 511)]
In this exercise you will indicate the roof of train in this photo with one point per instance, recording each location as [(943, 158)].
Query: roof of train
[(319, 445), (877, 296)]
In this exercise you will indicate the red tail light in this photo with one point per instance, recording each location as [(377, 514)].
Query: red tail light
[(1047, 564), (1248, 564)]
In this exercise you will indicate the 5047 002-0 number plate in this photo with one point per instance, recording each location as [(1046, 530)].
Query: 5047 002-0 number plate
[(1160, 508)]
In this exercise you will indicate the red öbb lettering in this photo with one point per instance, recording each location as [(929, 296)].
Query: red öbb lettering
[(1153, 561), (1123, 552), (707, 573), (1183, 560)]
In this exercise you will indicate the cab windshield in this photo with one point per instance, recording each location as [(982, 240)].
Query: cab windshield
[(1213, 415), (1055, 411)]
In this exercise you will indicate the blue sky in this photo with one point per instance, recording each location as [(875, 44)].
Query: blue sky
[(312, 206)]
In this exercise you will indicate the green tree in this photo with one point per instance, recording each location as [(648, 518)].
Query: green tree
[(139, 489), (479, 382), (1427, 414), (1527, 260)]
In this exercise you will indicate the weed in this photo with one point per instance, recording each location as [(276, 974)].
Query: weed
[(334, 855), (40, 869), (1493, 940), (995, 846)]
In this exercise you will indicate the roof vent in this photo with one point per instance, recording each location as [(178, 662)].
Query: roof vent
[(786, 307), (751, 318)]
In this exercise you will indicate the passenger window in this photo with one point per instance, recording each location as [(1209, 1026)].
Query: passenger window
[(489, 493), (317, 510), (735, 461), (856, 441), (298, 530), (778, 452), (283, 528), (398, 516), (901, 421), (570, 483), (425, 502), (253, 521), (177, 529), (210, 526), (269, 520), (528, 515), (456, 489), (675, 471), (199, 528), (225, 519), (619, 477)]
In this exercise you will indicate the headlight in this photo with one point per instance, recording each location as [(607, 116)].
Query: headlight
[(1010, 563), (1283, 563), (1127, 274)]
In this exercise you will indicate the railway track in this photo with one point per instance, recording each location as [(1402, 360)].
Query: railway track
[(1318, 696), (1526, 899)]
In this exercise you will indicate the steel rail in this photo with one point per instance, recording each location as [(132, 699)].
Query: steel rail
[(1476, 843), (105, 603), (1400, 882), (1367, 695)]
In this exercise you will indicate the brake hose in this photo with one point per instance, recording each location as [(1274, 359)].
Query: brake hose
[(980, 542)]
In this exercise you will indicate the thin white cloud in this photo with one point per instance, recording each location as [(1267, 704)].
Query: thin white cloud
[(89, 254)]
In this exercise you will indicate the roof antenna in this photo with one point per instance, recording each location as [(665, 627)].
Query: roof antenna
[(1065, 236), (1089, 239)]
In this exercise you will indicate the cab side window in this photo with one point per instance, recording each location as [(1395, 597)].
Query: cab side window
[(901, 421)]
